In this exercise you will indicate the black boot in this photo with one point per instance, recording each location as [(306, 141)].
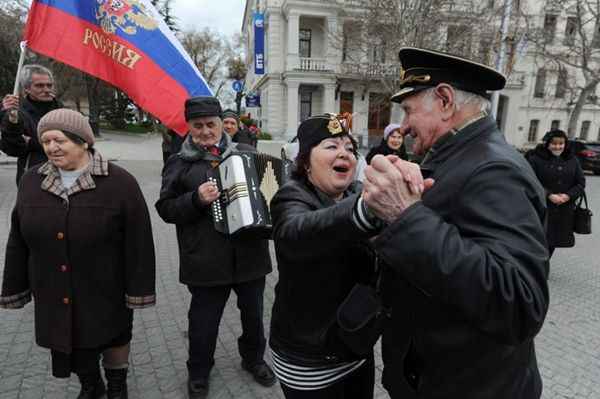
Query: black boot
[(117, 383), (92, 386)]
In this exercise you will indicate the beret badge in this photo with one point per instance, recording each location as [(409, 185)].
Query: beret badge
[(335, 127)]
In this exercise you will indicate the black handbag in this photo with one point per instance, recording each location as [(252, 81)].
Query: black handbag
[(582, 220), (362, 316)]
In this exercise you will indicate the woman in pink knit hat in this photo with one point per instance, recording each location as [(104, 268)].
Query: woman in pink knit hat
[(392, 143)]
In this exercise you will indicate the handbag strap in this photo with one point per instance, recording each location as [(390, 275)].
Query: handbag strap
[(583, 198)]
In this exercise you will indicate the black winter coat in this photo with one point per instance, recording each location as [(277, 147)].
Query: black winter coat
[(321, 255), (559, 175), (87, 262), (245, 136), (384, 149), (206, 257), (29, 153), (469, 275)]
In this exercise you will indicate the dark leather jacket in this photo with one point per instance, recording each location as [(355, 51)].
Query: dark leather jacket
[(469, 275), (321, 255)]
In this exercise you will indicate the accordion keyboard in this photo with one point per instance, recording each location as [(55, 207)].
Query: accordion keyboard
[(216, 206)]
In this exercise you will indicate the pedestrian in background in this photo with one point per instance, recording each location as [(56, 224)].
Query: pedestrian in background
[(20, 139), (391, 144), (319, 243), (558, 169), (81, 244), (236, 130), (211, 263)]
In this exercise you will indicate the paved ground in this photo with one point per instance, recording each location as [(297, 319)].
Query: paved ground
[(568, 346)]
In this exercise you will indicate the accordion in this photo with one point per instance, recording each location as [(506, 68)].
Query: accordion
[(247, 182)]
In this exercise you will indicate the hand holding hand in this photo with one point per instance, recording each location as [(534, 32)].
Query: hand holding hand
[(411, 173), (208, 192), (564, 198), (390, 188)]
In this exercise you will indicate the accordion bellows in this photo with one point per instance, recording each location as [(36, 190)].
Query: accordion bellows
[(247, 182)]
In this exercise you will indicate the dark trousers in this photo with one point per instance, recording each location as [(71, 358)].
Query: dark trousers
[(358, 385), (204, 317)]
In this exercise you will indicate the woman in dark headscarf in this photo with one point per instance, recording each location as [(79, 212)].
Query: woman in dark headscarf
[(559, 172)]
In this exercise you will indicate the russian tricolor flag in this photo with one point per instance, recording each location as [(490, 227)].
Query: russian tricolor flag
[(123, 42)]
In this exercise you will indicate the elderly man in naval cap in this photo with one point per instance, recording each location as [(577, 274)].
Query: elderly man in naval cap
[(463, 242)]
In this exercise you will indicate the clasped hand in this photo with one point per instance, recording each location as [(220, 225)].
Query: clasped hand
[(559, 199), (392, 185)]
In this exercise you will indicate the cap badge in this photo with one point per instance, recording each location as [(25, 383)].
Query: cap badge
[(335, 127), (402, 73), (412, 78)]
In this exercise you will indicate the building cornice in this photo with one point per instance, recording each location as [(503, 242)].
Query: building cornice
[(295, 7), (309, 78)]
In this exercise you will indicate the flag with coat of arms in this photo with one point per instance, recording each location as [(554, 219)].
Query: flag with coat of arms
[(123, 42)]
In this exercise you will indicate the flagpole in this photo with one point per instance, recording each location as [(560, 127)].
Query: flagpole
[(14, 113), (502, 52)]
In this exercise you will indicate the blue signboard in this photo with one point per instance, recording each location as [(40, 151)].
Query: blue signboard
[(259, 44), (238, 85), (252, 100)]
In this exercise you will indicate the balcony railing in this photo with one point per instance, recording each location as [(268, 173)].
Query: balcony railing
[(370, 70), (313, 64)]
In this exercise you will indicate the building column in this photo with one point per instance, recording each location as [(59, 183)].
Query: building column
[(293, 46), (329, 98), (292, 109), (333, 43), (361, 120), (275, 46), (396, 113)]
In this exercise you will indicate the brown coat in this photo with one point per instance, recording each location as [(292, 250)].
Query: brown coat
[(86, 257)]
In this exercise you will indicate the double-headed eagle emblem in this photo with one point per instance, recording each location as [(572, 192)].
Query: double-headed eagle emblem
[(127, 15)]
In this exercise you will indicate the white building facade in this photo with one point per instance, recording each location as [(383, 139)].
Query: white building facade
[(539, 96), (307, 73)]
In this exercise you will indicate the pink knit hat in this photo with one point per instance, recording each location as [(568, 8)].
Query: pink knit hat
[(389, 129), (67, 120)]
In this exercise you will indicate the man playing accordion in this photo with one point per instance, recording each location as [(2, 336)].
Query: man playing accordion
[(213, 263)]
